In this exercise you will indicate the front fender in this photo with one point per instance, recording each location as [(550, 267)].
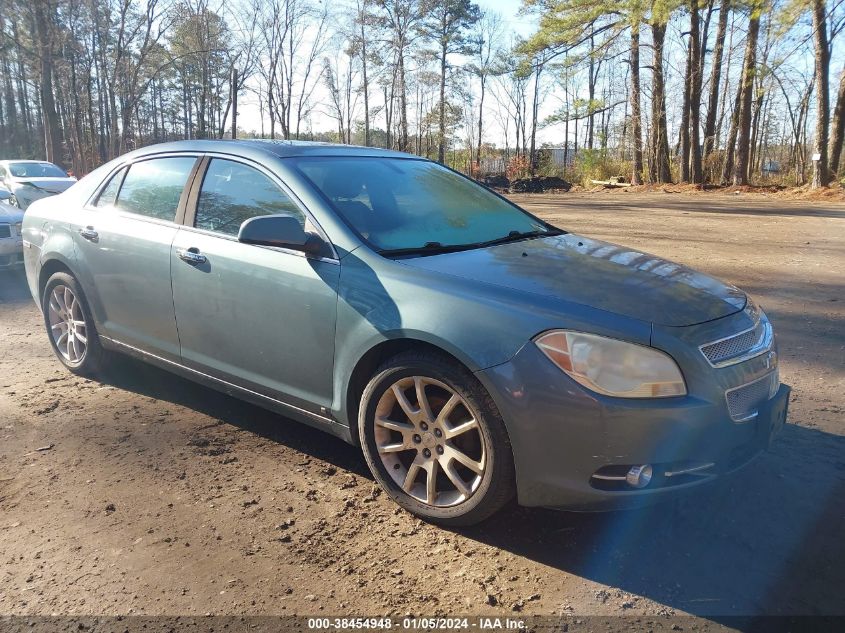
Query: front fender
[(479, 324)]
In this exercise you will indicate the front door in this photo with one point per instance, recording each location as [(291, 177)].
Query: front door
[(122, 244), (262, 318)]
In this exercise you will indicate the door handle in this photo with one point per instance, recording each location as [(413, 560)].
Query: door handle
[(191, 255), (89, 234)]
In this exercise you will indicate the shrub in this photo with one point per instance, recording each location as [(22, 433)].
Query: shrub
[(593, 164), (518, 167)]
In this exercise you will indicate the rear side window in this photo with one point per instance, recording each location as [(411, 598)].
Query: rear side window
[(153, 187), (232, 193), (109, 193)]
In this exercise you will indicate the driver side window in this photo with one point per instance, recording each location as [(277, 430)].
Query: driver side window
[(232, 193)]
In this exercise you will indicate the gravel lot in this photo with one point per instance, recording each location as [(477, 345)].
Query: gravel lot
[(157, 496)]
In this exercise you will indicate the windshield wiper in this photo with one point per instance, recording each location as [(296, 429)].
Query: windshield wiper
[(429, 248), (436, 248), (515, 236)]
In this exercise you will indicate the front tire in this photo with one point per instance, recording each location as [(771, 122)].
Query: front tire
[(70, 327), (435, 441)]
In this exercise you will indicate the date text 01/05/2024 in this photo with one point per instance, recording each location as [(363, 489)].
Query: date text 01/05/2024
[(421, 623)]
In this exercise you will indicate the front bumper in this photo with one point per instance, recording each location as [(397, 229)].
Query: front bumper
[(11, 252), (563, 435), (26, 197)]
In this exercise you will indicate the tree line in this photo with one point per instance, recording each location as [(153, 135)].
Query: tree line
[(698, 91)]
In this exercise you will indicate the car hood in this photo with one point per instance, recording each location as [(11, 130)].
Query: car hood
[(53, 185), (598, 274)]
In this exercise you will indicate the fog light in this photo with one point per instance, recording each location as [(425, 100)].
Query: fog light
[(639, 476)]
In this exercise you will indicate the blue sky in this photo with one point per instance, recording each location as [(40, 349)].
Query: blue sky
[(509, 9)]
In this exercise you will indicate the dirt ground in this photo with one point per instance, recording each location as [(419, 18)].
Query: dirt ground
[(157, 496)]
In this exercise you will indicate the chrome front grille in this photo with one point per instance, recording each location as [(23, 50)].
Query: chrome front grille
[(744, 401), (740, 346), (733, 346)]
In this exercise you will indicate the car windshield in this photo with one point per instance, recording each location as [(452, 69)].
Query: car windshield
[(399, 204), (36, 170)]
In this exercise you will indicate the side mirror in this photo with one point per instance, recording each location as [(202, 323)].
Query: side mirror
[(284, 231)]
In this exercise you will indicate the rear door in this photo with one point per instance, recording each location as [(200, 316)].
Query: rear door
[(122, 241), (260, 317)]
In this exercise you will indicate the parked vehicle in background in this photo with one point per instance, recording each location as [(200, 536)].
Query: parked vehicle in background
[(11, 243), (31, 180), (471, 349)]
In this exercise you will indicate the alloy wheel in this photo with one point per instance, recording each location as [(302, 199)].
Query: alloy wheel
[(67, 324), (429, 441)]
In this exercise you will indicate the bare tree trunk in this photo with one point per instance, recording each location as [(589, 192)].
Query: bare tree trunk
[(821, 177), (50, 118), (441, 146), (837, 132), (636, 114), (730, 145), (365, 86), (715, 74), (234, 91), (761, 135), (756, 121), (403, 105), (8, 93), (740, 175), (799, 135), (685, 111), (591, 91), (480, 119), (535, 106), (659, 169), (697, 68)]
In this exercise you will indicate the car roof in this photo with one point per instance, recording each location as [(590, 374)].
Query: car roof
[(22, 160), (280, 148)]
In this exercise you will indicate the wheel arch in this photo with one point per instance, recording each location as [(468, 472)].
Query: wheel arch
[(373, 358), (48, 269)]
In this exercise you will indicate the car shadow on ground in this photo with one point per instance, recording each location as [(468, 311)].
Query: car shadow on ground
[(767, 540), (758, 543), (13, 288), (138, 377)]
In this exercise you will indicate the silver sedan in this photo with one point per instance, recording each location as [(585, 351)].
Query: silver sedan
[(11, 243), (31, 180)]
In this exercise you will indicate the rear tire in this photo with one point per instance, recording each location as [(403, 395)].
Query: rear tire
[(70, 328), (435, 441)]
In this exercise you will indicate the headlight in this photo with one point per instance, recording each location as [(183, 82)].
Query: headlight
[(18, 228), (612, 367)]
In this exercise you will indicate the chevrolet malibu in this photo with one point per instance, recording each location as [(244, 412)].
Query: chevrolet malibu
[(11, 244), (473, 351), (31, 180)]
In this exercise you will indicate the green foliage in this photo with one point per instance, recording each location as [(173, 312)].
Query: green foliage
[(446, 22), (598, 164)]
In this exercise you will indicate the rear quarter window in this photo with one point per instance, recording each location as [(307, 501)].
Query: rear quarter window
[(108, 195)]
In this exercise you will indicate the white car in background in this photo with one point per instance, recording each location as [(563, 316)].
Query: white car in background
[(11, 243), (31, 180)]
